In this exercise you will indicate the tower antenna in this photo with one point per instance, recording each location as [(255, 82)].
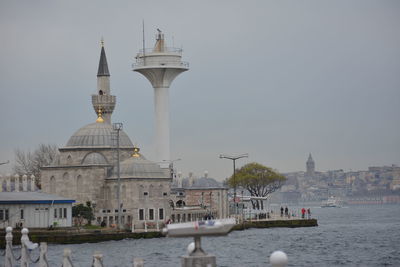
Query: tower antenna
[(144, 47)]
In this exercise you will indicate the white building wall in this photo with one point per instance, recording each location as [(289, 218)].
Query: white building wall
[(36, 215)]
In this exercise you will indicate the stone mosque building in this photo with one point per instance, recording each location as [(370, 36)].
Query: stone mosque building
[(84, 169)]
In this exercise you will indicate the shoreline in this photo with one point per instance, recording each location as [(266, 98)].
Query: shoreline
[(73, 236)]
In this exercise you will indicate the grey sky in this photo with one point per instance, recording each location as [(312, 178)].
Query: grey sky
[(275, 79)]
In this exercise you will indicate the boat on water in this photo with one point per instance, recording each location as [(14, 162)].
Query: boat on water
[(200, 228), (332, 202)]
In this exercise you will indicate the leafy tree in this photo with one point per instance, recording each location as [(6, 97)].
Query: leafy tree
[(31, 162), (259, 180), (81, 212)]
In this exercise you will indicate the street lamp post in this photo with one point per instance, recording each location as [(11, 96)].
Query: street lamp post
[(118, 127), (234, 158), (210, 203)]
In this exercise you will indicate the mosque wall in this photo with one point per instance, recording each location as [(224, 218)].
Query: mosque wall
[(81, 184), (149, 195)]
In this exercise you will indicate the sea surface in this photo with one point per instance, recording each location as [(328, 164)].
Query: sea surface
[(348, 236)]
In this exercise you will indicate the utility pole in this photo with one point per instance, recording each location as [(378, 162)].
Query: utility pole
[(234, 158), (118, 127)]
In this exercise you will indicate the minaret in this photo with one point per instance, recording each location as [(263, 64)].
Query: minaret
[(161, 65), (103, 102), (310, 166)]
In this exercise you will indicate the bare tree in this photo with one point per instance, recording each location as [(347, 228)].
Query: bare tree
[(31, 162)]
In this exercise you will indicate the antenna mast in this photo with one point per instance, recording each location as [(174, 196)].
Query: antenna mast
[(144, 58)]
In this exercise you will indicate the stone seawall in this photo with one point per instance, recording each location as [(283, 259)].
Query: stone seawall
[(276, 223), (72, 236)]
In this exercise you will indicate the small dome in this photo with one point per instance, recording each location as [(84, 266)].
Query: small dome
[(140, 167), (94, 159), (97, 135)]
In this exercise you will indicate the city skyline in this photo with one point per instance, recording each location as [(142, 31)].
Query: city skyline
[(275, 80)]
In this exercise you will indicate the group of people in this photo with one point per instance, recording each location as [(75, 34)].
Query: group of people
[(304, 211), (285, 211)]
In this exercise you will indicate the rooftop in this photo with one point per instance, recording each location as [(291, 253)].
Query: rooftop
[(31, 198)]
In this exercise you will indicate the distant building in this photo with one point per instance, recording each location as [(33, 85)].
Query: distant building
[(194, 198), (310, 164)]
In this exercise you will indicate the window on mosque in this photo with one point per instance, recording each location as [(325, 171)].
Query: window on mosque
[(146, 193), (141, 214), (151, 214), (3, 214), (55, 213), (165, 194), (161, 214), (22, 214)]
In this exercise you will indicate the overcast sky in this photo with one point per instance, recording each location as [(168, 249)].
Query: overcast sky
[(277, 80)]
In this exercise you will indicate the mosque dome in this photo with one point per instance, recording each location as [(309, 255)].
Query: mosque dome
[(94, 158), (140, 167), (97, 135)]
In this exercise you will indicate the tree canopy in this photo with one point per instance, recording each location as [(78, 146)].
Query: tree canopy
[(258, 179), (31, 162), (81, 211)]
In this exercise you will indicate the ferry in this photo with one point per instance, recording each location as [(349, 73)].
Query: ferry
[(331, 203)]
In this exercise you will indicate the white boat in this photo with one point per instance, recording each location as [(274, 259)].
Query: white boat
[(200, 228), (332, 202)]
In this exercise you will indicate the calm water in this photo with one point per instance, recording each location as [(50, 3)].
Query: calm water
[(354, 236)]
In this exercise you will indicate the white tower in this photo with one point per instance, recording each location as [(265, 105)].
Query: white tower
[(160, 65)]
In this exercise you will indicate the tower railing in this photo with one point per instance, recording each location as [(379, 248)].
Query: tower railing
[(168, 63), (165, 50)]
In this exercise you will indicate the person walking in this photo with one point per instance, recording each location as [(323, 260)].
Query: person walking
[(281, 211), (309, 213), (303, 212), (286, 211)]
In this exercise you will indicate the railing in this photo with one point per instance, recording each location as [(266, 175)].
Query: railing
[(166, 63), (165, 50), (196, 257)]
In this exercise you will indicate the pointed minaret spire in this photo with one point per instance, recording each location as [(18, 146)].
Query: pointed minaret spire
[(103, 66), (103, 100)]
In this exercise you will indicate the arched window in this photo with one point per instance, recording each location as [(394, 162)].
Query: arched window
[(79, 184), (52, 185), (69, 160), (100, 92), (180, 203)]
